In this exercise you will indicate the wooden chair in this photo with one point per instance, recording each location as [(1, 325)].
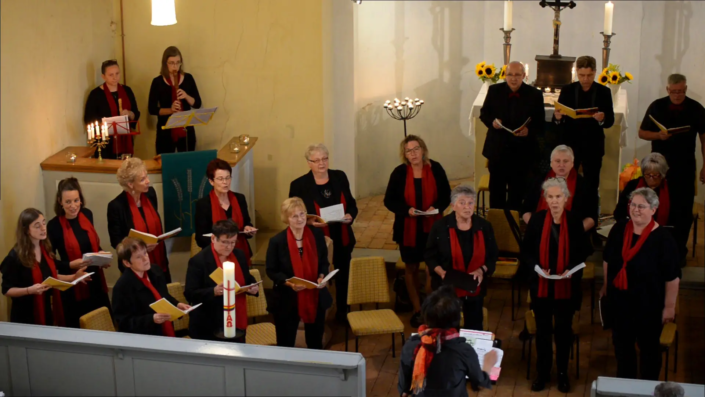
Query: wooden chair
[(507, 244), (482, 187), (98, 320), (262, 333), (177, 291), (368, 284), (194, 247), (669, 337)]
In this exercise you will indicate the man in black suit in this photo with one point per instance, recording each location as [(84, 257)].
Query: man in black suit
[(511, 155), (586, 136)]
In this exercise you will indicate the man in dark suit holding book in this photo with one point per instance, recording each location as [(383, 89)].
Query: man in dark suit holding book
[(511, 147), (586, 136)]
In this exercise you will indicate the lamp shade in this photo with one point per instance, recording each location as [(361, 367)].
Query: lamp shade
[(163, 12)]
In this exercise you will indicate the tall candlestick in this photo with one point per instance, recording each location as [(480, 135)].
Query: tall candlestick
[(229, 299), (508, 15), (609, 11)]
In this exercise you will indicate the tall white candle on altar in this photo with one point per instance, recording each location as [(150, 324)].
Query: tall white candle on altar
[(229, 299), (508, 15), (609, 11)]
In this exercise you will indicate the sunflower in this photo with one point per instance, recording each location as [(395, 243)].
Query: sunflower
[(480, 65), (489, 71), (480, 72), (614, 78), (603, 79), (628, 76), (605, 70), (503, 72)]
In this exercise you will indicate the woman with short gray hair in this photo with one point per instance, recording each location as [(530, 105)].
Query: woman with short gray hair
[(461, 244), (641, 282)]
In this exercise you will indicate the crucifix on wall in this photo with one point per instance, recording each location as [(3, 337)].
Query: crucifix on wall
[(557, 6), (553, 71)]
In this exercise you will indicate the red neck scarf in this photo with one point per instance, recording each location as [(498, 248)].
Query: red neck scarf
[(431, 341), (57, 306), (167, 326), (73, 250), (561, 288), (305, 267), (121, 143), (476, 262), (176, 133), (628, 252), (429, 195), (218, 214), (240, 299), (571, 181), (664, 199), (152, 226), (344, 227)]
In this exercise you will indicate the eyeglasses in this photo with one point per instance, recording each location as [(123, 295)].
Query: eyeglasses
[(413, 149), (227, 243), (174, 63), (515, 75), (676, 92), (298, 216), (640, 207), (223, 178), (652, 176), (319, 161)]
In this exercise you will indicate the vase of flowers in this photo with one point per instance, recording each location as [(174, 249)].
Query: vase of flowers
[(489, 74), (612, 77)]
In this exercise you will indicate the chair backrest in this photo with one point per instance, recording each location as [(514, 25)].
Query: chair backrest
[(194, 247), (98, 319), (177, 291), (368, 281), (256, 305), (329, 245), (506, 242)]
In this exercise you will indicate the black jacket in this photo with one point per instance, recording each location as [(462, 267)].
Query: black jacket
[(585, 203), (204, 219), (279, 269), (97, 107), (120, 219), (305, 188), (438, 251), (207, 319), (131, 300), (513, 113), (394, 197)]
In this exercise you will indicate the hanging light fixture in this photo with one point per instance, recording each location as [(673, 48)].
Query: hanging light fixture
[(163, 12)]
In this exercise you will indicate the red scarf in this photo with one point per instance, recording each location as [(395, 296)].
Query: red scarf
[(121, 143), (167, 326), (561, 288), (431, 341), (176, 133), (57, 306), (218, 214), (664, 199), (305, 267), (429, 196), (240, 299), (476, 262), (344, 227), (153, 226), (73, 250), (628, 252), (571, 181)]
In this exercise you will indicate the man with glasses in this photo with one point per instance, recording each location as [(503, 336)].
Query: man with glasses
[(511, 155)]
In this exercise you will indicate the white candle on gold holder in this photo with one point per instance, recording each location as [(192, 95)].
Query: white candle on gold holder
[(229, 299), (609, 13), (508, 15)]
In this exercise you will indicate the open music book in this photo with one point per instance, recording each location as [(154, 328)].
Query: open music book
[(63, 285), (310, 284), (516, 130), (150, 238), (217, 277), (670, 131), (576, 113), (543, 274), (163, 306)]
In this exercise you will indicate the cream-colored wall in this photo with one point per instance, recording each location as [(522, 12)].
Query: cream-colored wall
[(259, 62), (51, 53)]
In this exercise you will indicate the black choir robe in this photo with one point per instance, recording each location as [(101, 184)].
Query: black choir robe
[(205, 321), (160, 98), (501, 145), (279, 269), (585, 202), (131, 300), (204, 219), (97, 107)]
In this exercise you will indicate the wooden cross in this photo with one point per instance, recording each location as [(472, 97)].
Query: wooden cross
[(557, 6)]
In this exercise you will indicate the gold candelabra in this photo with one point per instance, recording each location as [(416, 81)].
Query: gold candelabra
[(98, 138)]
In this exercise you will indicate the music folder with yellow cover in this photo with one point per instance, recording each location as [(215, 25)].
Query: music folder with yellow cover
[(310, 284), (575, 113), (217, 276), (670, 131), (163, 306), (63, 285)]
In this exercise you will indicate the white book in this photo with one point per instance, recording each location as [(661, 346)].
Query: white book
[(100, 259), (543, 274), (426, 213), (333, 213), (150, 238)]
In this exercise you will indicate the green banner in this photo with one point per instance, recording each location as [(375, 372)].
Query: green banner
[(185, 181)]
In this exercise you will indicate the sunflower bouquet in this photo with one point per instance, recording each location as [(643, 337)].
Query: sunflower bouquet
[(488, 72), (612, 75)]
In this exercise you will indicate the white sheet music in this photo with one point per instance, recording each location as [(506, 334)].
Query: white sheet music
[(117, 125), (334, 213)]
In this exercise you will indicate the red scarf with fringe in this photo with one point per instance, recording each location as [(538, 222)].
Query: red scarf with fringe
[(431, 341)]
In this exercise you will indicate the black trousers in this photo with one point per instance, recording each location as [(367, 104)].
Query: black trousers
[(592, 164), (165, 144), (681, 185), (472, 312), (508, 182), (645, 331), (287, 324), (545, 310), (341, 261)]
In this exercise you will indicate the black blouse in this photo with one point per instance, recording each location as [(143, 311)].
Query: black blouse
[(160, 97), (204, 219), (97, 105)]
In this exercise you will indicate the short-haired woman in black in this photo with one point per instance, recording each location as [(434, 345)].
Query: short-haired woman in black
[(437, 361)]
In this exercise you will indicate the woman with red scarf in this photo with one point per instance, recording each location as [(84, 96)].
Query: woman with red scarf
[(220, 204), (438, 362), (112, 99), (207, 321), (29, 263), (171, 92), (418, 185), (72, 234), (642, 279), (298, 251), (463, 242), (137, 208), (140, 285), (556, 241), (323, 187)]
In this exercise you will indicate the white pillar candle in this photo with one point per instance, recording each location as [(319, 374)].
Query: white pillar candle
[(90, 126), (229, 299), (508, 15), (105, 131), (609, 11)]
